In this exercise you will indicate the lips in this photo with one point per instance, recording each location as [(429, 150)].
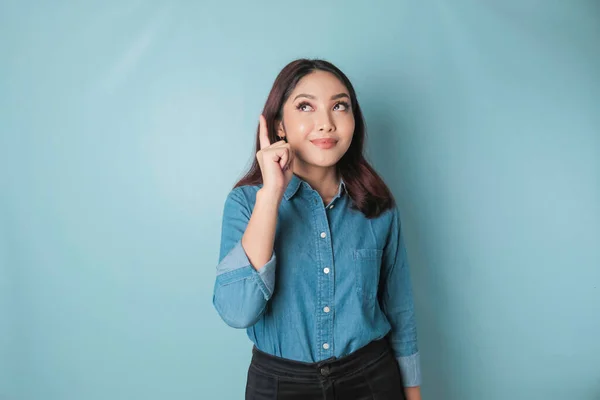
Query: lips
[(324, 143)]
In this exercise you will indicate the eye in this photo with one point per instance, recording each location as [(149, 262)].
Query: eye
[(302, 106), (345, 106)]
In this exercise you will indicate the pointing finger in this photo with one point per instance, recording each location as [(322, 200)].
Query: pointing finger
[(263, 135)]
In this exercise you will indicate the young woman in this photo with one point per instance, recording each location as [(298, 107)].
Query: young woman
[(312, 260)]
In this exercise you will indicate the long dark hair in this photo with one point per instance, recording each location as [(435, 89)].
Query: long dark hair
[(367, 190)]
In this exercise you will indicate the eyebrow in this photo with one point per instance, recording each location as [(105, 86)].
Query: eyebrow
[(334, 97)]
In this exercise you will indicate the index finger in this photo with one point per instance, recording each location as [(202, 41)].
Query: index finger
[(263, 135)]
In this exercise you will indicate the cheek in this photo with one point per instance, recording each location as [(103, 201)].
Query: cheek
[(298, 127), (304, 128), (345, 126)]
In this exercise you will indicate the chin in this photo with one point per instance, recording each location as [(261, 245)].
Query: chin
[(318, 158), (329, 162)]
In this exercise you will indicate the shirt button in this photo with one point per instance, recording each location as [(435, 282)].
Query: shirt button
[(323, 235), (326, 346), (331, 206), (326, 270), (326, 309)]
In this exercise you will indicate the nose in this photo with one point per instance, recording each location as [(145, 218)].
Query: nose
[(326, 125)]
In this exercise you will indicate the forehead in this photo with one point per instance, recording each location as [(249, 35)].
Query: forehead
[(320, 84)]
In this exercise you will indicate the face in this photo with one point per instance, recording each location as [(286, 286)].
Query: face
[(318, 108)]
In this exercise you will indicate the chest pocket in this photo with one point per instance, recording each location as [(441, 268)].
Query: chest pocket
[(367, 264)]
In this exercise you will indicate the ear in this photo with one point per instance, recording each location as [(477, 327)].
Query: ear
[(280, 129)]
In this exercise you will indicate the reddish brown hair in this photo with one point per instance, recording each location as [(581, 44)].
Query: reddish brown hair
[(367, 190)]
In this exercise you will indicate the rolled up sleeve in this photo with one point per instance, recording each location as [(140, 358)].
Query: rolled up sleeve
[(396, 299), (241, 292)]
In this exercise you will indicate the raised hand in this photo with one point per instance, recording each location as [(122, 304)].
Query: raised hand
[(275, 161)]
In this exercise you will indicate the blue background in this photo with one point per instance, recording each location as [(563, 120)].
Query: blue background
[(124, 124)]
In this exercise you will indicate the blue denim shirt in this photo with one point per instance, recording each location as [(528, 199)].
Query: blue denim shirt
[(335, 281)]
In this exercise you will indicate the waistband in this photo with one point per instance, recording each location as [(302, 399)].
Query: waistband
[(331, 367)]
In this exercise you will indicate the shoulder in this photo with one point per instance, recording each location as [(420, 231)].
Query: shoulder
[(390, 221), (241, 197), (388, 216)]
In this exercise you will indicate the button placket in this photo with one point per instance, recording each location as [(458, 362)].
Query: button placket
[(325, 319)]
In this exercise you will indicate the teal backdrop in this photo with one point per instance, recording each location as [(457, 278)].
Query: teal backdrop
[(124, 124)]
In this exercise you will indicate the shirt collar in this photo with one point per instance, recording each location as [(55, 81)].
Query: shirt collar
[(296, 181)]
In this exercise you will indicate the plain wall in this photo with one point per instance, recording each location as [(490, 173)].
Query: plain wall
[(124, 124)]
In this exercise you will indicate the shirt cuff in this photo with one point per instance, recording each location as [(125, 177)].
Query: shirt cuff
[(237, 259), (410, 367)]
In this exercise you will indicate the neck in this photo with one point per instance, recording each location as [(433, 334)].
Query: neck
[(325, 181)]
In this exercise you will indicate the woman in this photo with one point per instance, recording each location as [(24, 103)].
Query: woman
[(312, 259)]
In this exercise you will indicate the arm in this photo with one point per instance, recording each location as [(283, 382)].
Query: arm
[(246, 270), (413, 393), (396, 300)]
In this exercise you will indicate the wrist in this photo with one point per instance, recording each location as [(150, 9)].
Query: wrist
[(269, 196)]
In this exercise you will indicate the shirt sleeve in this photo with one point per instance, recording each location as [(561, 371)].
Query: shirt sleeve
[(397, 304), (241, 292)]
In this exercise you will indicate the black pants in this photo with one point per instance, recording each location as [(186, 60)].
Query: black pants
[(370, 373)]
